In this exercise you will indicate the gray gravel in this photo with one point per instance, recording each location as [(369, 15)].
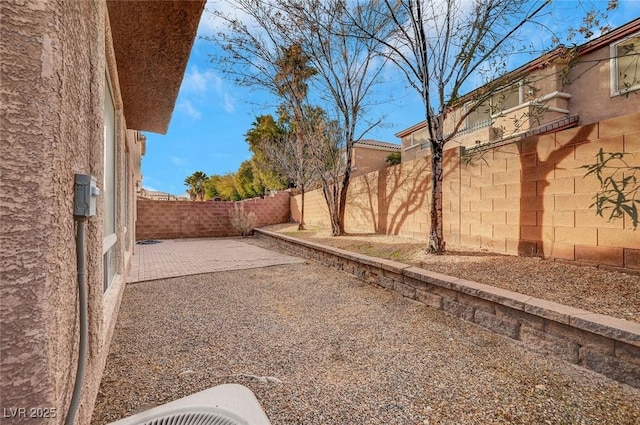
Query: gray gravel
[(317, 346), (612, 293)]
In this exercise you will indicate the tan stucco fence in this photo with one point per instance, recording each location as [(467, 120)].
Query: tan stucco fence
[(529, 197)]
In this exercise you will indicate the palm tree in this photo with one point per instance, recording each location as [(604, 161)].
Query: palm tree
[(293, 71), (196, 182)]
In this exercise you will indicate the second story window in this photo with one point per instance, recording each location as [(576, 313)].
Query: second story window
[(478, 118), (420, 137), (509, 97), (625, 70)]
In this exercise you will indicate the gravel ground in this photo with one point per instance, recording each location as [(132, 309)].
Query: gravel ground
[(341, 352), (612, 293)]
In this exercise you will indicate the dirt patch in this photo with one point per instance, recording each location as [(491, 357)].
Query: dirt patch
[(612, 293)]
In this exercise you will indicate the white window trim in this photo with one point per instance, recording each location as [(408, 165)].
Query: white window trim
[(539, 102), (110, 240), (520, 104), (613, 68), (115, 149)]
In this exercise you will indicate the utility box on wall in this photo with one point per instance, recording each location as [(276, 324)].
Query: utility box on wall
[(86, 195)]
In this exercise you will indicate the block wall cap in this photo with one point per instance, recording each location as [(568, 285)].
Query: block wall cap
[(610, 327)]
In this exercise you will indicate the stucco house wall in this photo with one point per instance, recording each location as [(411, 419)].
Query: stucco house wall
[(590, 88), (52, 128), (555, 87), (371, 155), (56, 56)]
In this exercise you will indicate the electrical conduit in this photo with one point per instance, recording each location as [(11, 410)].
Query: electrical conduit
[(84, 333)]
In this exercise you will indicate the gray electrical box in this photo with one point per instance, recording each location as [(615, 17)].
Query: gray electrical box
[(86, 195)]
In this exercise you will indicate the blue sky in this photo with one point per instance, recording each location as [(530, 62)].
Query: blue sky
[(212, 114)]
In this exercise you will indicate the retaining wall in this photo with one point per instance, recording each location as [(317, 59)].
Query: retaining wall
[(182, 219), (601, 343)]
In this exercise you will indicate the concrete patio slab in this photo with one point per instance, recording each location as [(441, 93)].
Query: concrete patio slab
[(183, 257)]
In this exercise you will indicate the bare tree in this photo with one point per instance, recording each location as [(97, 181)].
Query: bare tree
[(441, 47), (267, 56), (290, 155), (348, 67), (438, 47), (343, 68), (330, 158)]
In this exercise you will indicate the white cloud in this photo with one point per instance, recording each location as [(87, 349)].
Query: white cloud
[(229, 103), (199, 82), (210, 24), (149, 188), (186, 107), (177, 160), (200, 85)]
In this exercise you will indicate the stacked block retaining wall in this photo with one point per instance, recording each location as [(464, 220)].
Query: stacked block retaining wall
[(529, 197), (601, 343), (182, 219)]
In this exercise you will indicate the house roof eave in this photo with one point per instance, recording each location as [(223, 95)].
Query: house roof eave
[(152, 41)]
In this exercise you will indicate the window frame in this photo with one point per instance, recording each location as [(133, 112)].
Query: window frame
[(515, 87), (613, 66), (110, 228), (489, 117)]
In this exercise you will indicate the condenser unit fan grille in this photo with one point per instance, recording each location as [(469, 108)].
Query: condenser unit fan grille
[(228, 404), (195, 418)]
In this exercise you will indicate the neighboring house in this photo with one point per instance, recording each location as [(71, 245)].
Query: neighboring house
[(371, 155), (80, 79), (156, 195), (551, 93)]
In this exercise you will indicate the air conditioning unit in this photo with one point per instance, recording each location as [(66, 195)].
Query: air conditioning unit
[(228, 404)]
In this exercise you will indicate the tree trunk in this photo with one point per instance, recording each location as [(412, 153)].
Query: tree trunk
[(436, 244), (342, 203), (342, 195), (335, 211), (301, 225)]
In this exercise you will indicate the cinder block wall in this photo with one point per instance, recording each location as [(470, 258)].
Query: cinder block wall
[(524, 198), (175, 220)]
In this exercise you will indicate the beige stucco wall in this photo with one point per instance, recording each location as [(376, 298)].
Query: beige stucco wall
[(369, 158), (53, 68), (590, 88)]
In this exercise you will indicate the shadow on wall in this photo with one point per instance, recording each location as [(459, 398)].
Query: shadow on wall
[(386, 198), (542, 178)]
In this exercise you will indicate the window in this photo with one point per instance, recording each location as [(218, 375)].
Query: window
[(127, 205), (417, 138), (420, 137), (625, 72), (502, 100), (478, 118), (109, 260), (507, 98)]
